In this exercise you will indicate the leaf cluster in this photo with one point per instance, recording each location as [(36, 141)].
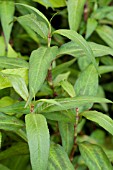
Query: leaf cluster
[(56, 87)]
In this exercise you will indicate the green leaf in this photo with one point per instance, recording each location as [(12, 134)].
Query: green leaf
[(69, 103), (39, 64), (87, 85), (108, 61), (101, 93), (87, 82), (11, 63), (58, 159), (75, 11), (18, 162), (104, 2), (31, 33), (64, 116), (7, 9), (38, 140), (67, 86), (6, 101), (4, 81), (19, 85), (62, 67), (37, 12), (106, 33), (11, 123), (101, 13), (33, 23), (109, 16), (105, 69), (4, 167), (67, 135), (80, 41), (91, 26), (15, 108), (83, 63), (109, 154), (11, 53), (60, 78), (103, 120), (0, 140), (73, 49), (94, 156), (100, 50), (20, 148), (52, 3)]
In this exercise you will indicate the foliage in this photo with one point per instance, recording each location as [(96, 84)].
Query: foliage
[(56, 85)]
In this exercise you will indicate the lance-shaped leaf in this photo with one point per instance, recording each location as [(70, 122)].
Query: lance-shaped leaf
[(11, 123), (103, 120), (19, 85), (63, 116), (67, 135), (100, 50), (4, 81), (73, 49), (6, 14), (94, 156), (67, 86), (52, 3), (15, 108), (40, 14), (105, 69), (101, 13), (58, 159), (87, 82), (75, 11), (69, 103), (6, 62), (91, 26), (38, 140), (106, 33), (32, 22), (80, 41), (39, 64)]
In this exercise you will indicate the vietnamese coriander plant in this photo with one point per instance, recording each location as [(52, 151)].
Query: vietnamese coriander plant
[(56, 86)]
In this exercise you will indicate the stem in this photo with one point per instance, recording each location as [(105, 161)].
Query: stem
[(49, 38), (86, 12), (50, 81), (31, 108), (75, 135)]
